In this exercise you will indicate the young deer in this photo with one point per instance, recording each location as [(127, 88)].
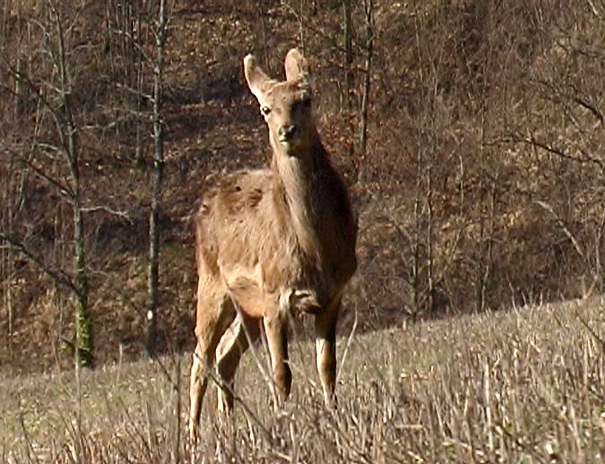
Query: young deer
[(269, 242)]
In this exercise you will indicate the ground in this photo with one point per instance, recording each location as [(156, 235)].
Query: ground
[(523, 385)]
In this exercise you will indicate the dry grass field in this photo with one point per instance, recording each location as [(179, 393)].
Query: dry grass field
[(518, 386)]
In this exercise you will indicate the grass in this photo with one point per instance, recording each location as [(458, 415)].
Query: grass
[(522, 386)]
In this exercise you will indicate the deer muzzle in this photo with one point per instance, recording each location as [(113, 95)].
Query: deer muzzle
[(286, 132)]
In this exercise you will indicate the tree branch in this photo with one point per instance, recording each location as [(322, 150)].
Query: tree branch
[(107, 209), (63, 189), (556, 151), (593, 109), (58, 276), (565, 229)]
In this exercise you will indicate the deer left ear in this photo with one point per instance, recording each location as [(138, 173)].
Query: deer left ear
[(297, 68)]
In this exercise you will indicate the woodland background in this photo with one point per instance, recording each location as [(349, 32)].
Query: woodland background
[(471, 134)]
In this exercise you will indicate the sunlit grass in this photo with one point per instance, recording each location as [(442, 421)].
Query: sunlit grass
[(523, 385)]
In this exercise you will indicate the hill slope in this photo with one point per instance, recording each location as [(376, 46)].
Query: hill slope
[(524, 385)]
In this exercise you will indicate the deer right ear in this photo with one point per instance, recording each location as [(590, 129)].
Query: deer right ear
[(258, 81), (297, 68)]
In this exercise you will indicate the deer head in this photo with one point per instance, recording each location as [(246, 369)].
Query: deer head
[(285, 106)]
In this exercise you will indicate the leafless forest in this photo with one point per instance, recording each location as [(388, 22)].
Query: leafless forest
[(471, 134)]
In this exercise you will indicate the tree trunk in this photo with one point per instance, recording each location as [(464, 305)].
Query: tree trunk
[(348, 58), (84, 345), (7, 255), (363, 130), (158, 162), (348, 77)]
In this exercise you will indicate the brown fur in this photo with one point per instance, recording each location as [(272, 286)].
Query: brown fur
[(269, 242)]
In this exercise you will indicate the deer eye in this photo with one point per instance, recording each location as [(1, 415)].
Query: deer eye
[(265, 110)]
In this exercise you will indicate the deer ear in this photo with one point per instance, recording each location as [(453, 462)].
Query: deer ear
[(258, 81), (297, 68)]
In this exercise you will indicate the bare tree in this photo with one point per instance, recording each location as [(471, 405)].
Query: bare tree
[(158, 162), (348, 71), (367, 77), (54, 98)]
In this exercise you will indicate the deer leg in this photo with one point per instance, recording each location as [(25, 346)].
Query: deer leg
[(325, 345), (236, 340), (209, 329), (197, 386), (276, 331)]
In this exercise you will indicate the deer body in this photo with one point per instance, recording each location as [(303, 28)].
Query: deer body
[(270, 242)]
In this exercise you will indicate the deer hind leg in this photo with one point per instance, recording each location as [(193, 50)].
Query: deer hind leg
[(236, 340), (213, 318), (325, 344), (276, 330)]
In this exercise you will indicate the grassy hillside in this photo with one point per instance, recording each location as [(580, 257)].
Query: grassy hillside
[(522, 386)]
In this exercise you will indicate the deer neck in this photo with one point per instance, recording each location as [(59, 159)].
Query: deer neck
[(299, 183)]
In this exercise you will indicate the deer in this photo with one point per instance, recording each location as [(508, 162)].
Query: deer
[(271, 243)]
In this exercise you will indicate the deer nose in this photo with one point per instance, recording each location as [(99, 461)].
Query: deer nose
[(286, 132)]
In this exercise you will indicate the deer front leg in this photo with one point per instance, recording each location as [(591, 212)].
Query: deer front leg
[(212, 320), (197, 388), (325, 344), (276, 331)]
